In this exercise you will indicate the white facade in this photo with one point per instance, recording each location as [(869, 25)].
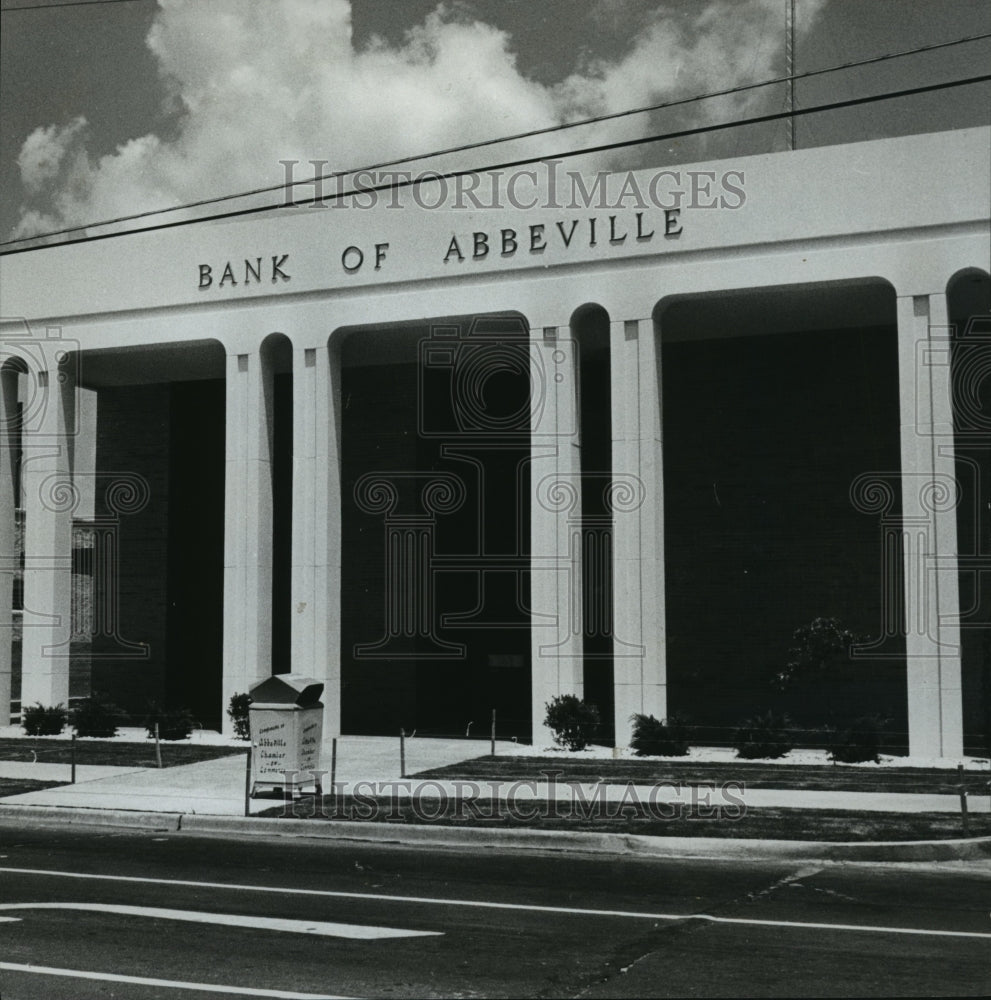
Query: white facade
[(907, 214)]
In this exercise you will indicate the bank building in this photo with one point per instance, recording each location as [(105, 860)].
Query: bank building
[(457, 459)]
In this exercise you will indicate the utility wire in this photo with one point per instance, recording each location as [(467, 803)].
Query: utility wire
[(604, 147), (467, 147), (65, 3)]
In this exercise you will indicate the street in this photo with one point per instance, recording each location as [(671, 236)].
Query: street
[(88, 913)]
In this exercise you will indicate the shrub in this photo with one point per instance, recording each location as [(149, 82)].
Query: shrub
[(763, 736), (173, 724), (860, 742), (821, 649), (237, 711), (96, 717), (571, 720), (651, 738), (44, 720)]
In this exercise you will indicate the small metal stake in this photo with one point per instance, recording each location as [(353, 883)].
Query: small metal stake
[(492, 738), (333, 765), (402, 753), (247, 783), (158, 748), (963, 800), (73, 758)]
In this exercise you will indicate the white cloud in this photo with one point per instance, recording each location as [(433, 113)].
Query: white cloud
[(44, 151), (724, 44), (259, 82)]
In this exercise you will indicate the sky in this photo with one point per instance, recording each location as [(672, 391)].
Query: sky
[(114, 108)]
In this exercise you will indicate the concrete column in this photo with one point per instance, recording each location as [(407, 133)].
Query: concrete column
[(639, 662), (316, 524), (929, 499), (9, 557), (555, 504), (49, 502), (248, 524)]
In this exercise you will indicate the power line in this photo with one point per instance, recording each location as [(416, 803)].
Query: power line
[(467, 147), (66, 3), (604, 147)]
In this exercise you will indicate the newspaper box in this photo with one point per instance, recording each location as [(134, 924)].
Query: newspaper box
[(286, 718)]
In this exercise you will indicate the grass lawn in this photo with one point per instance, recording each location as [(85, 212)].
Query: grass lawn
[(15, 786), (827, 777), (111, 753), (672, 820), (761, 824)]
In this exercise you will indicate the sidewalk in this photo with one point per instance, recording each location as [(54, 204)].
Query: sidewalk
[(210, 795), (216, 787)]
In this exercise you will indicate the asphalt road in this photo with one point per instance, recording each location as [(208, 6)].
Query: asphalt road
[(87, 914)]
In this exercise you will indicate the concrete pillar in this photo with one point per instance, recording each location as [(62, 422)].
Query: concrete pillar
[(49, 502), (929, 499), (316, 524), (248, 524), (9, 556), (639, 664), (555, 504)]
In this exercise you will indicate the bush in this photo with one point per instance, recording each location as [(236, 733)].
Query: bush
[(859, 743), (651, 738), (96, 717), (44, 720), (821, 649), (237, 711), (173, 724), (763, 736), (572, 721)]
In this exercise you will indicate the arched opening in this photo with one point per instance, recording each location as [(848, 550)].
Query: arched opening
[(969, 309), (590, 331), (435, 447), (775, 401), (276, 359), (156, 471)]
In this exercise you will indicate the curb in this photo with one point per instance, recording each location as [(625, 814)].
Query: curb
[(636, 845), (168, 822)]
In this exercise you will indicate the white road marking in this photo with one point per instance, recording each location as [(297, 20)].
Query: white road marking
[(361, 932), (482, 904), (112, 977), (753, 922)]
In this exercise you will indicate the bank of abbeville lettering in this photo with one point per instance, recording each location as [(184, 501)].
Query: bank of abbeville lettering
[(562, 235), (245, 272), (591, 231)]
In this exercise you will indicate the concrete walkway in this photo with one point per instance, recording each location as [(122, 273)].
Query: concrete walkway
[(216, 787), (370, 766)]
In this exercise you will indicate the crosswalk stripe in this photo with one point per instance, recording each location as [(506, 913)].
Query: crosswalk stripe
[(323, 928), (112, 977)]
